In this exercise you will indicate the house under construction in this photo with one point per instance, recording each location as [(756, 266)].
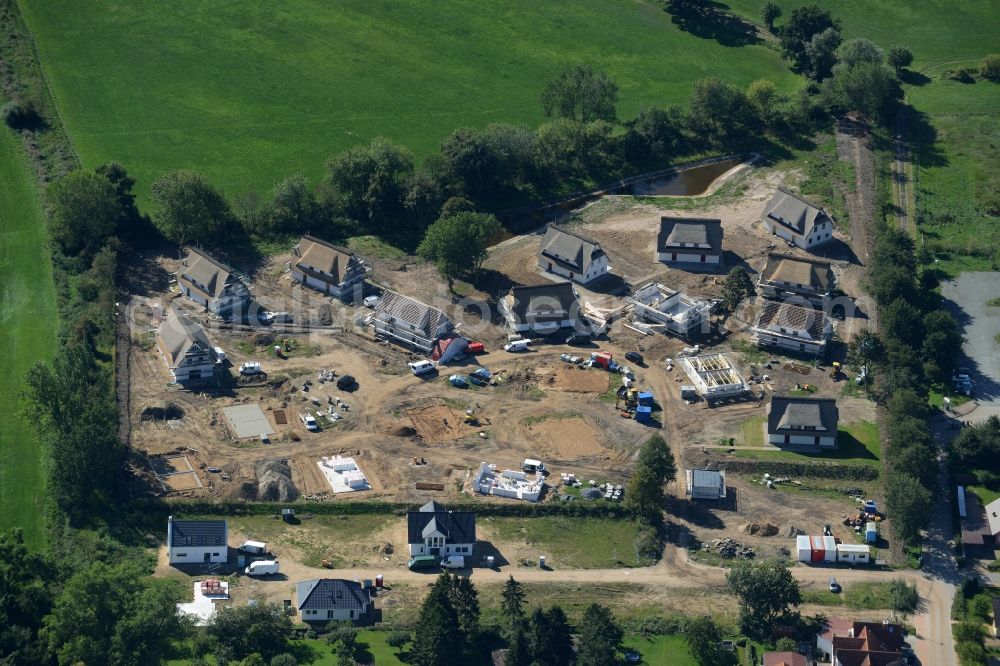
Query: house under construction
[(669, 311), (714, 375)]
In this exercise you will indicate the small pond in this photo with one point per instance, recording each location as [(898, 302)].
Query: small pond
[(685, 183)]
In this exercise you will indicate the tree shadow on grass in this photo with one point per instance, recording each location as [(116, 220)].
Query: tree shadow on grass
[(909, 77), (712, 21), (304, 653)]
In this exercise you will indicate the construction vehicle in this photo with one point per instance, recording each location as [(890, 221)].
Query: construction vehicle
[(835, 370)]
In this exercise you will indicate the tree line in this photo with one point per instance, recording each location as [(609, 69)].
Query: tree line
[(918, 346)]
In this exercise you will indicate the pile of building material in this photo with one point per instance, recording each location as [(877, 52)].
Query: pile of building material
[(343, 474), (730, 548), (274, 482), (514, 484), (760, 529)]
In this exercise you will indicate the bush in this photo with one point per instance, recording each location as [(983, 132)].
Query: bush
[(397, 639), (648, 544), (20, 115), (989, 68), (342, 633)]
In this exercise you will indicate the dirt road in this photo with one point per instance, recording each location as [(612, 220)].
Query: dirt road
[(933, 624)]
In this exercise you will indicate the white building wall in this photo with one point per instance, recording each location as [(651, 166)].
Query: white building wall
[(825, 441), (597, 268), (687, 256), (196, 554)]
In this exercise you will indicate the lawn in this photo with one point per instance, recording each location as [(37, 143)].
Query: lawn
[(27, 334), (671, 650), (984, 494), (753, 430), (857, 444), (250, 92), (859, 596), (935, 30), (958, 187), (581, 543)]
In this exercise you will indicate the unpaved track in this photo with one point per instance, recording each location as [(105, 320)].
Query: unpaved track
[(934, 644)]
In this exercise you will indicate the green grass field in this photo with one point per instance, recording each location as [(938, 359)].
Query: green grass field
[(27, 334), (935, 30), (581, 543), (250, 92), (956, 172)]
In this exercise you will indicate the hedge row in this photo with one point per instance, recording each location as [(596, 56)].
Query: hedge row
[(816, 470)]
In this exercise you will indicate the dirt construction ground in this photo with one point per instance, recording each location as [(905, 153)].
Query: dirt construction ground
[(404, 430)]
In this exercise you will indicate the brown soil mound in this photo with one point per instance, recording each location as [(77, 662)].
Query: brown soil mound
[(403, 431), (760, 529), (275, 482)]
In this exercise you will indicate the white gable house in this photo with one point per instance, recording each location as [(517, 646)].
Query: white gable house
[(571, 255), (796, 220), (433, 530), (197, 541)]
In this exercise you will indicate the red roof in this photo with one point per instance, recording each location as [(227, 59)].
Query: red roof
[(836, 626), (784, 659)]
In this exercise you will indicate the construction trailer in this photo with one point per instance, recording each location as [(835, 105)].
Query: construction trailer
[(816, 549), (854, 553), (669, 311), (714, 375), (871, 532)]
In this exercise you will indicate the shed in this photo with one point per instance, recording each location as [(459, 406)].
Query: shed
[(816, 548), (854, 553), (871, 532), (643, 413), (706, 484), (645, 397)]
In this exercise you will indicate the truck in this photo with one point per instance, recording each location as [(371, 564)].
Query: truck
[(422, 563), (453, 562), (254, 547), (262, 568), (421, 367), (532, 466), (309, 421), (250, 368)]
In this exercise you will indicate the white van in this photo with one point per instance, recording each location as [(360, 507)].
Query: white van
[(309, 421), (262, 568), (517, 346), (421, 367), (453, 562), (254, 547)]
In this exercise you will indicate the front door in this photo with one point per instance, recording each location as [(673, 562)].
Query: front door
[(208, 558)]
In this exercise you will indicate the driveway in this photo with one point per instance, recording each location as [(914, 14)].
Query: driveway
[(966, 297)]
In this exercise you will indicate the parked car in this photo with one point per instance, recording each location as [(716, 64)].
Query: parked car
[(459, 381), (422, 563), (346, 381), (421, 367), (371, 301), (635, 357), (834, 585), (517, 346), (578, 339), (632, 657), (309, 421), (453, 562)]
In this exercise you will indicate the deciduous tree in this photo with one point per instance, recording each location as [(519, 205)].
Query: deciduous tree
[(457, 245), (721, 113), (803, 24), (581, 93), (190, 210), (368, 184), (767, 593), (239, 631), (908, 504), (769, 13), (899, 57), (86, 211), (856, 51), (293, 206), (704, 639), (821, 53), (989, 68)]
